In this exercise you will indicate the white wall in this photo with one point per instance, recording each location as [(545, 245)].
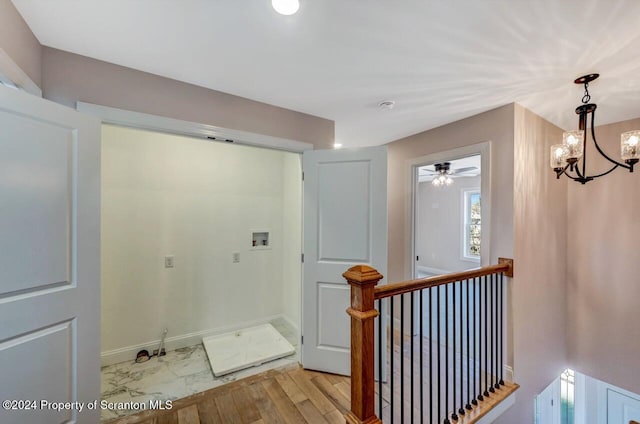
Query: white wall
[(439, 223), (198, 201)]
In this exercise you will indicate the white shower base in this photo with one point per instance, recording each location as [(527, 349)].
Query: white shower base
[(245, 348)]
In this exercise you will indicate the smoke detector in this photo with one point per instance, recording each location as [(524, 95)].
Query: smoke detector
[(387, 104)]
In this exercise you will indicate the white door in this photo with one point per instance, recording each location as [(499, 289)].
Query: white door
[(622, 409), (345, 224), (548, 404), (50, 261)]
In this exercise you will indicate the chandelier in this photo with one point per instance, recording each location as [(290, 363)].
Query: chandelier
[(570, 159)]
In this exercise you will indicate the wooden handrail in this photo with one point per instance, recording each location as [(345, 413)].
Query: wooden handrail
[(393, 289)]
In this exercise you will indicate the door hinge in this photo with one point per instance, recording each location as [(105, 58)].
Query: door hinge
[(417, 258), (302, 257), (301, 339), (303, 176)]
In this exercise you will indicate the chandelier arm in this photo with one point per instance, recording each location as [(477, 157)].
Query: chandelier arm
[(605, 173), (566, 173), (595, 142), (577, 169)]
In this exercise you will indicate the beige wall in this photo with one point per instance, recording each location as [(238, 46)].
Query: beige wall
[(538, 291), (529, 211), (604, 268), (67, 78), (17, 40)]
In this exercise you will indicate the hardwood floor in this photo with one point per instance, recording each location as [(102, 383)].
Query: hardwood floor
[(286, 395), (294, 395)]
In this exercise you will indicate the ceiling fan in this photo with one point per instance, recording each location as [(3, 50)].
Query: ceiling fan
[(443, 174)]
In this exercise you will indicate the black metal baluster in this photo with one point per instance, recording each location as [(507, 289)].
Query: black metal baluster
[(468, 406), (486, 338), (492, 326), (479, 334), (380, 346), (461, 411), (392, 344), (402, 358), (446, 354), (454, 416), (421, 347), (438, 347), (496, 383), (411, 355), (430, 355), (501, 328)]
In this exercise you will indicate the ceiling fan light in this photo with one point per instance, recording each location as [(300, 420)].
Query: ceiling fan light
[(448, 181), (559, 155), (629, 145), (285, 7), (573, 140)]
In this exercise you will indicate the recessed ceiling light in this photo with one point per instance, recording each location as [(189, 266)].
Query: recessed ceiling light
[(286, 7), (387, 104), (337, 145)]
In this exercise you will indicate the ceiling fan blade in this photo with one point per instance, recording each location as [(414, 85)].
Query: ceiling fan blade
[(463, 170)]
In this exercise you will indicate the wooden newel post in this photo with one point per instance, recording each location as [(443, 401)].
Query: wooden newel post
[(362, 280)]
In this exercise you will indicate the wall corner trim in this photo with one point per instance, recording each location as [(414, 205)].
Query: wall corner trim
[(12, 73)]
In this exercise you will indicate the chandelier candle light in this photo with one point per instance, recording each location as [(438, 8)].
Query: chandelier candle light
[(565, 157)]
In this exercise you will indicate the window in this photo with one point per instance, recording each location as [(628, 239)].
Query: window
[(471, 228)]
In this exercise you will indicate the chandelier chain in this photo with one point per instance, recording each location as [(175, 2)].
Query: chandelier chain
[(587, 97)]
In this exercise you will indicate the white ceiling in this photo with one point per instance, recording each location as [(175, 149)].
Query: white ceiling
[(439, 60)]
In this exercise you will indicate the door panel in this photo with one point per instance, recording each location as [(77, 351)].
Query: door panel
[(344, 237), (345, 224), (50, 262), (35, 187), (622, 409)]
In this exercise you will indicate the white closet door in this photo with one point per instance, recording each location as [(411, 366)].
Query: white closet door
[(50, 261)]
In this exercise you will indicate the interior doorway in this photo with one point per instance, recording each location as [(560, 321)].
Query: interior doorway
[(451, 218), (447, 216), (200, 247)]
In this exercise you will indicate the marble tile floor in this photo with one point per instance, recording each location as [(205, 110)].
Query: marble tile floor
[(180, 373)]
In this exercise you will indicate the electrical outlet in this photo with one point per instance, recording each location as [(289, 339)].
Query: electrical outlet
[(236, 257), (168, 261)]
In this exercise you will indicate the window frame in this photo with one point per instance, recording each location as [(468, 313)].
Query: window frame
[(465, 222)]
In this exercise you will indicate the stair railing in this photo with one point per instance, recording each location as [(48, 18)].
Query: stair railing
[(446, 365)]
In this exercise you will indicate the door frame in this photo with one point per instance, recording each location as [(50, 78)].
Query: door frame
[(144, 121), (411, 167)]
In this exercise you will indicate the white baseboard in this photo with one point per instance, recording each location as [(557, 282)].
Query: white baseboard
[(432, 271), (292, 324), (508, 373), (128, 353)]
